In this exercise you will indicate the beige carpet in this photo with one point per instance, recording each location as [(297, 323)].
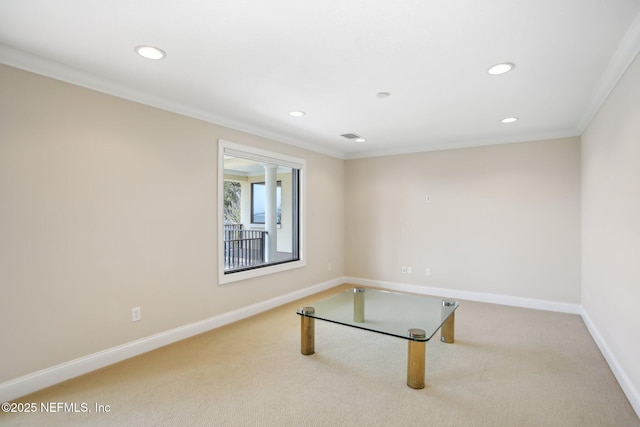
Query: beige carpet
[(508, 367)]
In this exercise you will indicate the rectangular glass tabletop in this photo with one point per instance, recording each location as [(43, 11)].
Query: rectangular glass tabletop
[(385, 312)]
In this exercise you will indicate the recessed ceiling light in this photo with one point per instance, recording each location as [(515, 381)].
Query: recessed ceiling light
[(509, 120), (501, 68), (297, 113), (150, 52), (359, 140)]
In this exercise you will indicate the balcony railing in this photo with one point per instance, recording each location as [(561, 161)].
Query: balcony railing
[(243, 248)]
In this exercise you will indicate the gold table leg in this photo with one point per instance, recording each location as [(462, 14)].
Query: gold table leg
[(307, 331), (358, 305), (448, 327), (416, 358)]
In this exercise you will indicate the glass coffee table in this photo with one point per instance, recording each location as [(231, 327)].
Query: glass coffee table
[(415, 318)]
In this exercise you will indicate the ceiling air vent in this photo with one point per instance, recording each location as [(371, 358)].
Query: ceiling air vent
[(350, 135)]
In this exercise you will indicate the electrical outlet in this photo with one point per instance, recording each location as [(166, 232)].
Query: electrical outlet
[(404, 270), (409, 270), (136, 314), (427, 271), (427, 198)]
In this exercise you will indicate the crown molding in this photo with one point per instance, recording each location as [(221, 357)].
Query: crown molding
[(465, 144), (620, 61), (45, 67)]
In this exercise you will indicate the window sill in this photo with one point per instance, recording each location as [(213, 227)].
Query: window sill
[(259, 272)]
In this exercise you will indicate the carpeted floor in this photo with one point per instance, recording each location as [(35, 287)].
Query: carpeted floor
[(508, 367)]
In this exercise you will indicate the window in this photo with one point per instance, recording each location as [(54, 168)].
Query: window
[(258, 205), (260, 209)]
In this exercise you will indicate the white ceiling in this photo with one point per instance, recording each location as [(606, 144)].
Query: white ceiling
[(246, 63)]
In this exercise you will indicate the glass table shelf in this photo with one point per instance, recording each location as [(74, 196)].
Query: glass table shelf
[(413, 317)]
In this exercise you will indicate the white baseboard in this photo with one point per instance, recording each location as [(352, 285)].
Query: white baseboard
[(632, 393), (47, 377), (26, 384), (537, 304)]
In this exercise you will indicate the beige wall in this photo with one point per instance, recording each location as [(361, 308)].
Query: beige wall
[(504, 219), (106, 205), (611, 225)]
